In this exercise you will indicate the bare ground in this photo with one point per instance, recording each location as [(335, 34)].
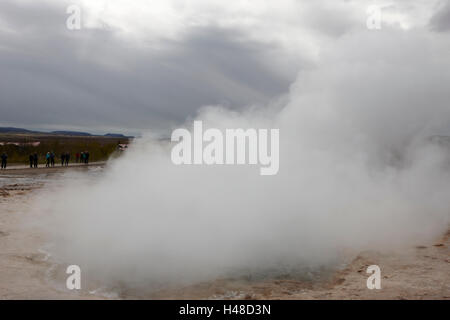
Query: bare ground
[(26, 272), (421, 272)]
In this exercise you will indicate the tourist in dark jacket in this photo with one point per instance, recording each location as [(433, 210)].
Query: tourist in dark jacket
[(52, 158), (35, 160), (4, 160)]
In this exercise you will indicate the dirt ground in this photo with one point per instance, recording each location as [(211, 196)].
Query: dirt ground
[(20, 169), (26, 270), (422, 272)]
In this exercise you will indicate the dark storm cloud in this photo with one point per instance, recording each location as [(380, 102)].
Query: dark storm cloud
[(440, 21), (104, 76), (91, 78)]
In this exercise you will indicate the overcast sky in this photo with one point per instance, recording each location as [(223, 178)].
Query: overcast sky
[(139, 65)]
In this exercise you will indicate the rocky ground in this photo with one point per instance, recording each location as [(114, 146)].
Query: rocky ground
[(28, 272)]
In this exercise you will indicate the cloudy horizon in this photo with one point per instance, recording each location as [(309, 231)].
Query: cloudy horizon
[(150, 66)]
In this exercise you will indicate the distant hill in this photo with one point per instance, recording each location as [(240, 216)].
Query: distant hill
[(72, 133), (12, 130), (115, 135)]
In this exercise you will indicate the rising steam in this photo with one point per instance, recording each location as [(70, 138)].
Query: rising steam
[(357, 170)]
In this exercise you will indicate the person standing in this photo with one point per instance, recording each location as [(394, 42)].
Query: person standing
[(67, 158), (52, 159), (31, 160), (47, 157), (35, 160), (82, 157), (4, 160), (63, 159), (77, 157), (86, 155)]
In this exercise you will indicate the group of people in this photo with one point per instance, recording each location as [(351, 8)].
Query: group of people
[(34, 160), (82, 157), (50, 159), (64, 157)]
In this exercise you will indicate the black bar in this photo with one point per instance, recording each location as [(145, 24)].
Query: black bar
[(226, 309)]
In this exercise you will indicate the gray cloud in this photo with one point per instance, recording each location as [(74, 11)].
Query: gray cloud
[(100, 79), (440, 21), (91, 78)]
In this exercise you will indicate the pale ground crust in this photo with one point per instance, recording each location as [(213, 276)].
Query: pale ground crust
[(420, 272), (13, 169)]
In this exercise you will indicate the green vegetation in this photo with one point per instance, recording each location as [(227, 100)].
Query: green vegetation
[(100, 148)]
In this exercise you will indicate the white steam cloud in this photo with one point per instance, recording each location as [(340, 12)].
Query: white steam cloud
[(357, 170)]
